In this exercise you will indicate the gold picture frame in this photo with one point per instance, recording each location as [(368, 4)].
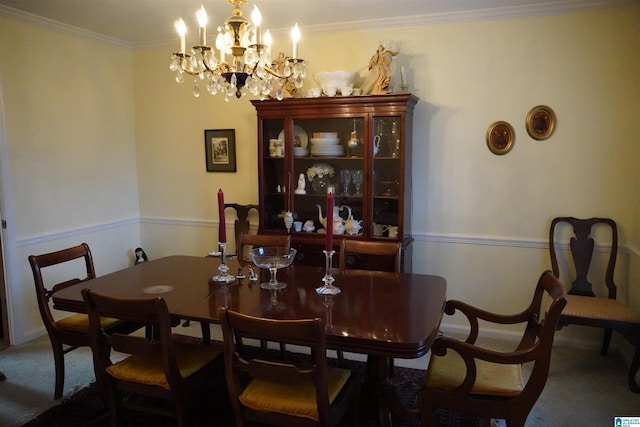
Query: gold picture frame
[(500, 137), (541, 122)]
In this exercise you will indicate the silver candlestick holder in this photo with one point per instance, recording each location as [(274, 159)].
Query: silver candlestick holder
[(328, 279), (223, 275)]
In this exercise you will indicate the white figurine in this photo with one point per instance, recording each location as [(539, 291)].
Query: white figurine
[(301, 185)]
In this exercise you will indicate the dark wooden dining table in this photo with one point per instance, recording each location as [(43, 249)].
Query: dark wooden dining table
[(383, 315)]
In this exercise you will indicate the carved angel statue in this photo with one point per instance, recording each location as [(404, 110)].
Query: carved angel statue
[(379, 79)]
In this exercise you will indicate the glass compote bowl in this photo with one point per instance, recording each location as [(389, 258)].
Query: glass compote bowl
[(272, 258)]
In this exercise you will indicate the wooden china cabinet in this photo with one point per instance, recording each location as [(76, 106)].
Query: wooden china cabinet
[(371, 179)]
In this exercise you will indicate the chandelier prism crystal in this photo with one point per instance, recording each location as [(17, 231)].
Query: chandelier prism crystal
[(240, 62)]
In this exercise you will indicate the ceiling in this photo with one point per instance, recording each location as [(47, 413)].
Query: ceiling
[(140, 22)]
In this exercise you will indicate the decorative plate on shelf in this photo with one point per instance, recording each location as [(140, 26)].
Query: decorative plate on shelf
[(301, 139)]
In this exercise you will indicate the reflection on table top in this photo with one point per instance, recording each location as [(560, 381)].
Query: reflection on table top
[(383, 314)]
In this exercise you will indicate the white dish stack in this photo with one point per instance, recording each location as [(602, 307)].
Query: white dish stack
[(326, 144)]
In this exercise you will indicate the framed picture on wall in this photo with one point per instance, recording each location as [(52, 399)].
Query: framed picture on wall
[(541, 121), (500, 137), (220, 149)]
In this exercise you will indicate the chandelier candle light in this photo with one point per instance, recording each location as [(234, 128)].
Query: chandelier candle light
[(224, 275), (250, 68), (328, 279)]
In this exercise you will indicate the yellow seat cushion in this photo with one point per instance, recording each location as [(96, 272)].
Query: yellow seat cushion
[(599, 308), (80, 323), (298, 400), (148, 368), (494, 379)]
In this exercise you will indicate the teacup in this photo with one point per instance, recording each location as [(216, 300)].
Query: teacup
[(315, 92), (297, 225), (276, 148), (346, 91), (379, 229), (393, 231), (330, 90)]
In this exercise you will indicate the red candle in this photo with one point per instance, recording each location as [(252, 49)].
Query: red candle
[(222, 228), (329, 227)]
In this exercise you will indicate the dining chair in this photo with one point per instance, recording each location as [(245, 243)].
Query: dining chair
[(301, 392), (596, 304), (241, 223), (465, 377), (248, 241), (387, 254), (66, 333), (159, 366), (387, 257)]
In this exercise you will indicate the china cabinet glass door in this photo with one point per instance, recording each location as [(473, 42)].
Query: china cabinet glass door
[(387, 176), (328, 156), (274, 180)]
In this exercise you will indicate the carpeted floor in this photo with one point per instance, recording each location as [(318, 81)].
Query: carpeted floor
[(583, 388), (85, 408)]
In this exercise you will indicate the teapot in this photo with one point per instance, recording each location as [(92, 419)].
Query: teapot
[(353, 226), (338, 221)]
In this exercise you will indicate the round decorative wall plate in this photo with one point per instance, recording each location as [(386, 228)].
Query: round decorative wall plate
[(541, 121), (500, 137)]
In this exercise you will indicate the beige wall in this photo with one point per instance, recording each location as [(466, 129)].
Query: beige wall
[(71, 158), (471, 208), (479, 220)]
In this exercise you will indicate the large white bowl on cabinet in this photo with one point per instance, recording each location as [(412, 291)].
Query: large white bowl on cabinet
[(336, 79)]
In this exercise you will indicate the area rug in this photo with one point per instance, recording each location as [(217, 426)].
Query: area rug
[(86, 408)]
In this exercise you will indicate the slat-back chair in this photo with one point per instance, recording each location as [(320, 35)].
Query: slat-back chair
[(465, 377), (248, 241), (388, 254), (68, 333), (158, 366), (285, 393)]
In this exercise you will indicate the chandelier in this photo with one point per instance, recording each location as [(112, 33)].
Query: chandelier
[(241, 61)]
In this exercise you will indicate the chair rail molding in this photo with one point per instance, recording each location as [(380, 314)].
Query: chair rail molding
[(73, 232)]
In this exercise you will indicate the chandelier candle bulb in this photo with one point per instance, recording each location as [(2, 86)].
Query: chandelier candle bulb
[(295, 36), (256, 17), (267, 42), (202, 22), (181, 28), (222, 227), (329, 228)]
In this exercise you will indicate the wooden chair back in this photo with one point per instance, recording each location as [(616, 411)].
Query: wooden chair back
[(243, 360), (386, 256), (248, 241), (595, 304), (63, 340), (582, 247), (241, 223), (152, 367), (468, 378)]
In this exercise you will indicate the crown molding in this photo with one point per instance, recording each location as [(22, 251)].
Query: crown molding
[(471, 15), (32, 19)]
